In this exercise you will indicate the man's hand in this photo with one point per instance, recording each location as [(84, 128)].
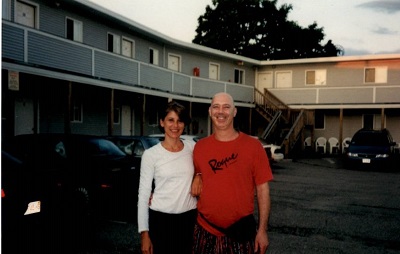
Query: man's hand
[(197, 185), (264, 207), (262, 242)]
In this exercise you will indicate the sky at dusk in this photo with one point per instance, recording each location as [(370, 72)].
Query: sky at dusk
[(361, 27)]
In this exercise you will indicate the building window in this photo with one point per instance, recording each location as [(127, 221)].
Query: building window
[(375, 75), (113, 43), (6, 9), (117, 116), (26, 13), (74, 30), (174, 62), (154, 56), (316, 77), (319, 119), (76, 112), (128, 48), (239, 76), (213, 71)]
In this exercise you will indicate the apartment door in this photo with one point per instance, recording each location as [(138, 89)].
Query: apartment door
[(128, 48), (174, 62), (24, 114), (127, 121), (25, 14), (284, 79), (213, 72), (264, 81)]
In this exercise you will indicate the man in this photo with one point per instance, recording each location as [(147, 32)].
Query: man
[(229, 165)]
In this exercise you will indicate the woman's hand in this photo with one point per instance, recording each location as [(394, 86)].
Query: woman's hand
[(146, 245)]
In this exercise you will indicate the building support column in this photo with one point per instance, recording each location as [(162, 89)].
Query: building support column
[(341, 130), (143, 115), (36, 113), (250, 117), (111, 114), (191, 132), (67, 114), (382, 118)]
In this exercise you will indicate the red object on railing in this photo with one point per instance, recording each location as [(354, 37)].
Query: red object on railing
[(196, 71)]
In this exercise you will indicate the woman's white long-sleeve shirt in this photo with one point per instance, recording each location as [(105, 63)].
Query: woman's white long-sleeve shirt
[(173, 175)]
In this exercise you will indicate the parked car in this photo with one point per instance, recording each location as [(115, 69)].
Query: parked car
[(96, 178), (371, 148), (134, 145), (190, 137), (274, 152), (24, 206)]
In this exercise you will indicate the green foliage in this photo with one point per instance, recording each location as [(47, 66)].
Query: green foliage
[(259, 30)]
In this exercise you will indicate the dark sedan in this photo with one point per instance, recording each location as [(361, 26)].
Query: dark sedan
[(96, 178), (24, 206), (371, 148)]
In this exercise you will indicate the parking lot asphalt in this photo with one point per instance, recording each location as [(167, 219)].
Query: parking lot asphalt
[(328, 162), (317, 207)]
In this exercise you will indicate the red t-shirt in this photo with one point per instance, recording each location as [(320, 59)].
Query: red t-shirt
[(230, 171)]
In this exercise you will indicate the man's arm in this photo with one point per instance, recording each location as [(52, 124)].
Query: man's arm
[(264, 207)]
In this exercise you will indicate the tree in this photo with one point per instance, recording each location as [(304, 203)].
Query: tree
[(259, 30)]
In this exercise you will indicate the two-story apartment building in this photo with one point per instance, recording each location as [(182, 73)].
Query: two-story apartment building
[(77, 56), (73, 66), (345, 93)]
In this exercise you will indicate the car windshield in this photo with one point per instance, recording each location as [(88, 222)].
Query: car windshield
[(371, 139), (152, 141), (101, 147)]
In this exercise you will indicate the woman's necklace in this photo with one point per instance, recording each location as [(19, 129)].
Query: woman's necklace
[(173, 148)]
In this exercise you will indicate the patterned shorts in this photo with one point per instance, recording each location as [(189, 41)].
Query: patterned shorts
[(207, 243)]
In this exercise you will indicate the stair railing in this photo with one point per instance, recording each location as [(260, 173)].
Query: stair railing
[(294, 133), (269, 104), (272, 124)]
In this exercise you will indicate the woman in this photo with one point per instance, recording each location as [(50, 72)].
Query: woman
[(166, 223)]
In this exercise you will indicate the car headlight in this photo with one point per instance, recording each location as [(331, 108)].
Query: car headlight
[(385, 155), (352, 154)]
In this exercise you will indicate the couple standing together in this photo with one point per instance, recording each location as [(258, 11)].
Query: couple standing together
[(202, 194)]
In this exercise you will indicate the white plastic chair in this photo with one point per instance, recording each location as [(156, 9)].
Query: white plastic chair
[(307, 142), (308, 145), (320, 144), (344, 144), (333, 145)]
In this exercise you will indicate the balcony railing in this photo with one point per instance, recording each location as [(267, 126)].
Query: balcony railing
[(26, 46)]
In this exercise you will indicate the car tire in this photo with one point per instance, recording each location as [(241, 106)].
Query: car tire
[(80, 202), (78, 220)]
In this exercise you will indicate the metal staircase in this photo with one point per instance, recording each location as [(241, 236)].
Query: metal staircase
[(285, 126)]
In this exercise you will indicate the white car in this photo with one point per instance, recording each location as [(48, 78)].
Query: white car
[(274, 152), (190, 137)]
